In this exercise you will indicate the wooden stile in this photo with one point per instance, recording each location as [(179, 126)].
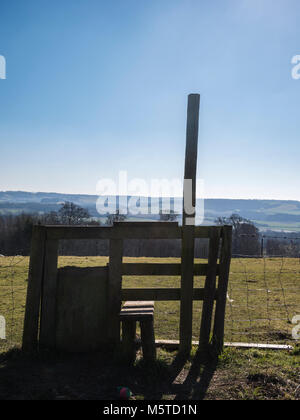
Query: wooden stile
[(144, 231), (44, 280)]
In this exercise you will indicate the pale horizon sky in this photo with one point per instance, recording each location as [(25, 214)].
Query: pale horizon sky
[(96, 87)]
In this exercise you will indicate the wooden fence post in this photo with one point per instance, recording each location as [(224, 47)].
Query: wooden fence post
[(210, 289), (33, 299), (114, 290), (188, 224), (218, 336), (49, 296)]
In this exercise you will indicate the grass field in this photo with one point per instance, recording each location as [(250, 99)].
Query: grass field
[(264, 295)]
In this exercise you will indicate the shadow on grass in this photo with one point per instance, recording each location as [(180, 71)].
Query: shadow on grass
[(97, 377), (198, 378)]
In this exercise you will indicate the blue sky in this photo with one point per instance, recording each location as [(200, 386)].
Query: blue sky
[(94, 87)]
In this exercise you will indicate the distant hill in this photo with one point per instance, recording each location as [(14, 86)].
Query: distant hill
[(267, 214)]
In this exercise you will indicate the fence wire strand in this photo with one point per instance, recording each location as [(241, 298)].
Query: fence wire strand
[(263, 297)]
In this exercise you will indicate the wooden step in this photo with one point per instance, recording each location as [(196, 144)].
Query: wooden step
[(137, 311)]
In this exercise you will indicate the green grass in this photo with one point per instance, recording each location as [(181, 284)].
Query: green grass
[(263, 298), (265, 290), (238, 375)]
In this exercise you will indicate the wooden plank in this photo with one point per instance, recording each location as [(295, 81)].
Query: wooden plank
[(137, 310), (135, 225), (32, 311), (164, 231), (160, 269), (188, 222), (73, 272), (159, 294), (49, 296), (81, 316), (210, 289), (138, 304), (114, 290), (174, 344), (225, 260), (260, 346), (159, 231)]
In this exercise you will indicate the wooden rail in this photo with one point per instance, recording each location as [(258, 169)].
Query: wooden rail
[(161, 269), (144, 230)]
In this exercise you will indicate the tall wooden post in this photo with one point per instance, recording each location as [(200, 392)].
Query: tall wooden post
[(188, 224)]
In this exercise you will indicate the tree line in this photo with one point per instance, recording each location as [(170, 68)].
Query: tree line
[(15, 236)]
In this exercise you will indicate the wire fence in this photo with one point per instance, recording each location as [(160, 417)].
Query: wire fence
[(263, 299), (263, 302)]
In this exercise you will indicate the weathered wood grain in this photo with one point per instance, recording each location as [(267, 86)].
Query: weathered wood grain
[(36, 269)]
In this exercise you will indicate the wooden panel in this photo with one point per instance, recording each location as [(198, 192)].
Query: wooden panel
[(160, 269), (114, 290), (225, 260), (210, 289), (138, 304), (49, 296), (159, 294), (32, 311), (81, 321), (188, 222), (147, 225)]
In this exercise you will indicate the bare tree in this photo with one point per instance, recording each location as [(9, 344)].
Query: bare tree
[(117, 217), (71, 214), (246, 237)]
